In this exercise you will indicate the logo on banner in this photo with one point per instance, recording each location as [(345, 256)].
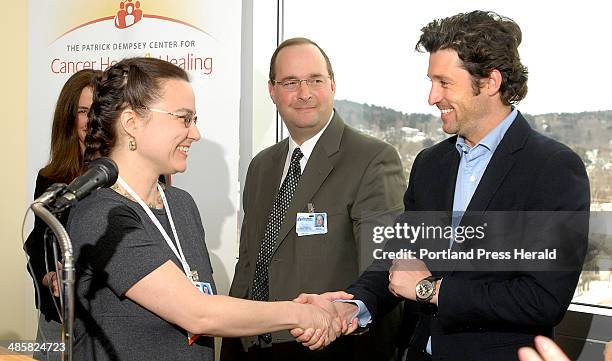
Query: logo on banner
[(100, 43), (129, 14)]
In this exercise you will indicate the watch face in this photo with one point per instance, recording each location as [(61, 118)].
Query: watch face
[(424, 289)]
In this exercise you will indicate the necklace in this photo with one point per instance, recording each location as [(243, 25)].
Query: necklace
[(156, 204)]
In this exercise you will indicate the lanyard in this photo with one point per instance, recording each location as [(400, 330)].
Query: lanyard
[(178, 253)]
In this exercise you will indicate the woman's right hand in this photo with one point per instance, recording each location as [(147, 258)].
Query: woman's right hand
[(322, 327)]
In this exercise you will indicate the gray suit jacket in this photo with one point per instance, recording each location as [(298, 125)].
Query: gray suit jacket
[(356, 179)]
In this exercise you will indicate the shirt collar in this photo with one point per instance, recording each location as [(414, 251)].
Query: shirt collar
[(308, 145), (493, 138)]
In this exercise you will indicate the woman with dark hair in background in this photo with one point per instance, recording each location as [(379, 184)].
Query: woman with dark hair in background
[(65, 164), (144, 281)]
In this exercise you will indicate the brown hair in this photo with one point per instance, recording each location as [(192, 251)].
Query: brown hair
[(484, 41), (65, 157), (133, 82), (297, 41)]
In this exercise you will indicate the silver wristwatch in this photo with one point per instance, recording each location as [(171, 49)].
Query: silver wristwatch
[(426, 289)]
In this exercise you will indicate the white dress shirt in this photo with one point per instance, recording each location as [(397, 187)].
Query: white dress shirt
[(306, 149)]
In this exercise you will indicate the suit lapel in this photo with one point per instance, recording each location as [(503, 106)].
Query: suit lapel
[(500, 164), (317, 169)]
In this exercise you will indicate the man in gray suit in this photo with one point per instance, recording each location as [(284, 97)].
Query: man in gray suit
[(350, 180)]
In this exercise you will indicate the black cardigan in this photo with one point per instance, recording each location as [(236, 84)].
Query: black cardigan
[(34, 246)]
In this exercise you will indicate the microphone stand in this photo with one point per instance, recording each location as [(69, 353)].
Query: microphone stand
[(68, 279)]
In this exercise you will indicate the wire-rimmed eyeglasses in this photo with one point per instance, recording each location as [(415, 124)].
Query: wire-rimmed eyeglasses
[(187, 117), (291, 85)]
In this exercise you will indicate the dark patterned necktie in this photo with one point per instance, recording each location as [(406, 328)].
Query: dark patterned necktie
[(275, 220)]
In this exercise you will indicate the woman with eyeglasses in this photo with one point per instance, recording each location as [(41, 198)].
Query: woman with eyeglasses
[(65, 163), (144, 283)]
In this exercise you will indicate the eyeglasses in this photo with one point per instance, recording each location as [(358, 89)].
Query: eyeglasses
[(291, 85), (187, 117)]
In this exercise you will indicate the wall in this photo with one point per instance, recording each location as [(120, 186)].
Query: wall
[(17, 316)]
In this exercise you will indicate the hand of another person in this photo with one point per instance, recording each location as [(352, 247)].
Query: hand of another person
[(322, 326), (344, 312), (50, 280), (608, 352), (404, 275), (547, 350)]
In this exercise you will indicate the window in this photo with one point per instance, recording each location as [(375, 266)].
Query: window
[(382, 86)]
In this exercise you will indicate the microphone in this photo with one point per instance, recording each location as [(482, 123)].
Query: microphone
[(101, 173)]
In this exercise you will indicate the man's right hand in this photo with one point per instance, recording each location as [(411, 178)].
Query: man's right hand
[(342, 311), (321, 326)]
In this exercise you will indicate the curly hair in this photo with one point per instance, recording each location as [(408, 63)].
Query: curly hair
[(134, 83), (65, 156), (484, 41)]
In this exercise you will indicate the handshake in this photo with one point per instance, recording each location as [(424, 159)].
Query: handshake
[(322, 320)]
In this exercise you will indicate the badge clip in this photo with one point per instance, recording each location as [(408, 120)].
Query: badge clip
[(194, 277)]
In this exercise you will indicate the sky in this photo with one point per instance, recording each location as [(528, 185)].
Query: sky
[(566, 48)]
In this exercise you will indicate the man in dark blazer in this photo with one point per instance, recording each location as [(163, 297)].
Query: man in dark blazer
[(351, 180), (495, 162)]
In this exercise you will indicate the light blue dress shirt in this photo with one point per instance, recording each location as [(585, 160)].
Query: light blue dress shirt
[(472, 166)]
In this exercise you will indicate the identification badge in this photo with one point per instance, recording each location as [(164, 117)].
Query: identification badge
[(205, 288), (307, 224)]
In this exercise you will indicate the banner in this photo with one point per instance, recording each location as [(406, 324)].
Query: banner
[(202, 37)]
